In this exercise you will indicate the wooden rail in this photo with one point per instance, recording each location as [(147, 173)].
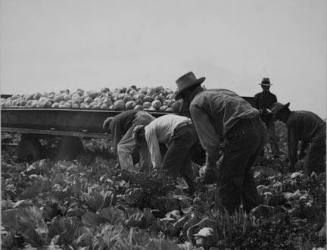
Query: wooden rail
[(54, 132)]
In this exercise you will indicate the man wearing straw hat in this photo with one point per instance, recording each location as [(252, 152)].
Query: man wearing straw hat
[(220, 115), (264, 102)]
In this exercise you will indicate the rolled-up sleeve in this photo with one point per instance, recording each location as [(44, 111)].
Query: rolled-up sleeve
[(207, 134), (153, 145)]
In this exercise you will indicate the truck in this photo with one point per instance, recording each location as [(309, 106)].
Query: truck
[(70, 125)]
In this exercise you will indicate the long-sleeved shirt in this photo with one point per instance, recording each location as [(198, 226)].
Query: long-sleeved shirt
[(301, 126), (159, 131), (214, 113), (264, 100), (120, 124)]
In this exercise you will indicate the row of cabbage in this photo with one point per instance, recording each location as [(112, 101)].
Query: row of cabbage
[(155, 99)]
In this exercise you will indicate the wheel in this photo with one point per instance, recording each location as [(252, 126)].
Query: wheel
[(69, 148), (29, 149)]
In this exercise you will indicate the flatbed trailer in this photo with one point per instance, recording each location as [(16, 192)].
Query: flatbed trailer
[(69, 124), (61, 122)]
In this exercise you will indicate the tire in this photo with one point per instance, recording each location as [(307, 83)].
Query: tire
[(69, 148), (29, 149)]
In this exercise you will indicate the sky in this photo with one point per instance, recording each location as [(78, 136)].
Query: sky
[(49, 45)]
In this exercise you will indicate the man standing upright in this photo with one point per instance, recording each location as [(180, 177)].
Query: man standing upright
[(220, 115), (264, 102)]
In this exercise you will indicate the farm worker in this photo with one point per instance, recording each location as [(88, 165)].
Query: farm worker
[(309, 128), (221, 116), (178, 133), (263, 102), (121, 127)]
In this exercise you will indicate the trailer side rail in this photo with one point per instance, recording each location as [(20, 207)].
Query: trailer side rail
[(54, 132)]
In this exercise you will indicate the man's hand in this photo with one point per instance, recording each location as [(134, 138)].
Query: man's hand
[(106, 124), (209, 175), (113, 150)]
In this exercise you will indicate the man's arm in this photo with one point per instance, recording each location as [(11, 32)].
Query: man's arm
[(153, 145), (116, 133), (256, 101), (208, 137), (274, 99)]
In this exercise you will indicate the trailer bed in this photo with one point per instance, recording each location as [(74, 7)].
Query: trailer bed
[(63, 122)]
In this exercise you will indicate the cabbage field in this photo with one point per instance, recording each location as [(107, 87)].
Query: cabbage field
[(89, 203)]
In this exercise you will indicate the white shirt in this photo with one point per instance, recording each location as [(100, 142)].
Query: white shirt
[(161, 130)]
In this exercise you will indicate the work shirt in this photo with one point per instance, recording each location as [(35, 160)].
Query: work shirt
[(161, 130), (264, 100), (214, 113), (120, 124), (301, 126)]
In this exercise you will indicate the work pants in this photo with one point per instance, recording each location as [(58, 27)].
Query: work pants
[(177, 160), (243, 144), (315, 160)]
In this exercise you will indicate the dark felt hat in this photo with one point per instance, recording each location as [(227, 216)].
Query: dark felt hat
[(265, 82), (187, 81)]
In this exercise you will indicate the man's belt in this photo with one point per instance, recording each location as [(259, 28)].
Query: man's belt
[(238, 127), (183, 124)]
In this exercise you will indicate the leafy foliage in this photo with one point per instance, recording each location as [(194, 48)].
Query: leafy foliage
[(90, 204)]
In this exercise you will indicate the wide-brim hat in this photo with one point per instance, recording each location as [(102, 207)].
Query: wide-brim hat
[(265, 82), (187, 81)]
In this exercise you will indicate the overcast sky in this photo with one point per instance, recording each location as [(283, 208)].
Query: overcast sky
[(56, 44)]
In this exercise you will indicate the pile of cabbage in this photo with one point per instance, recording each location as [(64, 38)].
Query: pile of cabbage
[(155, 99)]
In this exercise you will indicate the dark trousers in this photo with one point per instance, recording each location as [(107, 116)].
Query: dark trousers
[(315, 160), (243, 143), (177, 160)]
